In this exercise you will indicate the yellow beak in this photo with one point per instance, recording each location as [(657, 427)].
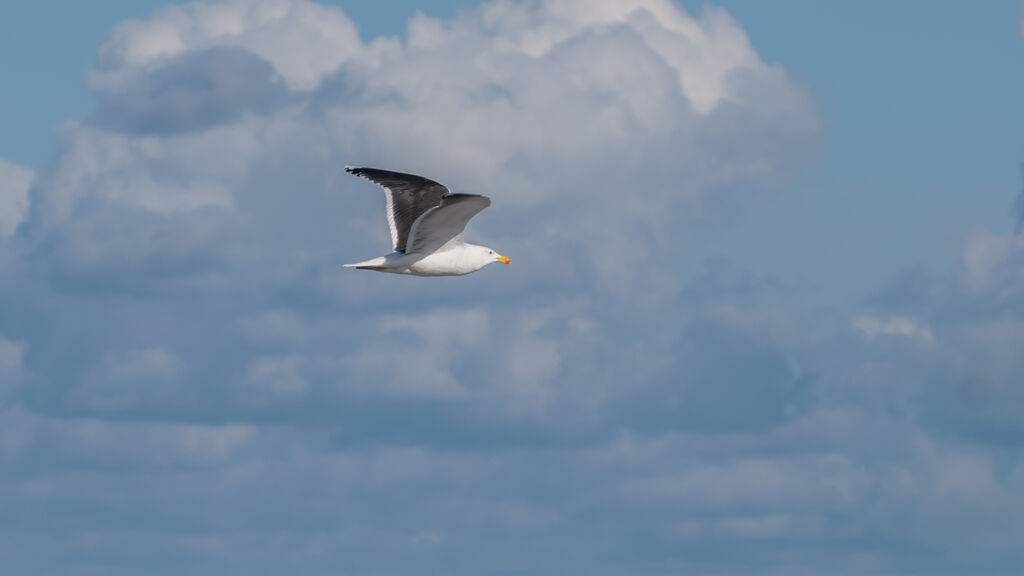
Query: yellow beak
[(504, 260)]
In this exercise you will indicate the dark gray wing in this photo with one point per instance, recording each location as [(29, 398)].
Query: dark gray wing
[(408, 197), (445, 224)]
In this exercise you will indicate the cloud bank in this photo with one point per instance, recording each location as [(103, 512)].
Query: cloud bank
[(199, 387)]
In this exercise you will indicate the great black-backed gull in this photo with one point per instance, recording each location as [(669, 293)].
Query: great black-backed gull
[(426, 222)]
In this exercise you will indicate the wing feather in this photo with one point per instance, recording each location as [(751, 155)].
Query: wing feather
[(408, 197), (444, 224)]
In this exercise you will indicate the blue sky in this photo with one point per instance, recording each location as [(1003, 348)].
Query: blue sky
[(764, 311)]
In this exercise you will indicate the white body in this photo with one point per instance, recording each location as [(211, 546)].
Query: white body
[(464, 260)]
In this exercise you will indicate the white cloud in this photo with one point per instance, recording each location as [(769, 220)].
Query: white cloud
[(11, 367), (702, 53), (128, 380), (552, 107), (756, 527), (10, 354), (304, 41), (772, 324), (984, 256), (14, 184), (871, 327), (214, 442), (416, 355), (116, 445), (274, 380), (746, 483), (273, 326), (150, 174), (536, 349), (148, 364)]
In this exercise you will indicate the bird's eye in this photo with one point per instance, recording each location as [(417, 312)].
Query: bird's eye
[(490, 251)]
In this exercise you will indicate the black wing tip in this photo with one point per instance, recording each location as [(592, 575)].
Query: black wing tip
[(464, 196), (362, 172), (371, 174), (382, 177)]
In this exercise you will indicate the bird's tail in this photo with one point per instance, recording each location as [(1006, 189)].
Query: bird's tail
[(372, 264)]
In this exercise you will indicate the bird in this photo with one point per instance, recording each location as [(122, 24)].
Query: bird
[(427, 222)]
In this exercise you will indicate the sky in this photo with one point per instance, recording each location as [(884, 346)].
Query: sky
[(764, 311)]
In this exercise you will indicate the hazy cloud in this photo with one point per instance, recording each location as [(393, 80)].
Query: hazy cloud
[(14, 184), (11, 368), (872, 327)]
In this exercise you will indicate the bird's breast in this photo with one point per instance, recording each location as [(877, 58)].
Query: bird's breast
[(442, 264)]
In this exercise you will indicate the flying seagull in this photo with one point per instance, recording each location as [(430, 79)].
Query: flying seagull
[(426, 222)]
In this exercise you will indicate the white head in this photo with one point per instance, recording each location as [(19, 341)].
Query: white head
[(482, 256)]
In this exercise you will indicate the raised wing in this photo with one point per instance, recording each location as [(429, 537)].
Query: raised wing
[(408, 197), (445, 223)]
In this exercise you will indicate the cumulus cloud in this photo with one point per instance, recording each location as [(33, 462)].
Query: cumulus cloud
[(209, 174), (304, 41), (14, 184), (193, 91)]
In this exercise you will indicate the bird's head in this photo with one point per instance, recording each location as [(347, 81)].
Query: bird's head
[(489, 256)]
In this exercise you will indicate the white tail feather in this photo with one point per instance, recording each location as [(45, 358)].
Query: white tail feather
[(378, 261)]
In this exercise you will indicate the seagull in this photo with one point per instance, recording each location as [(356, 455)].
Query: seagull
[(426, 222)]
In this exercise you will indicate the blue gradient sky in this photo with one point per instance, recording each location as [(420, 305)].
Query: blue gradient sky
[(764, 312)]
